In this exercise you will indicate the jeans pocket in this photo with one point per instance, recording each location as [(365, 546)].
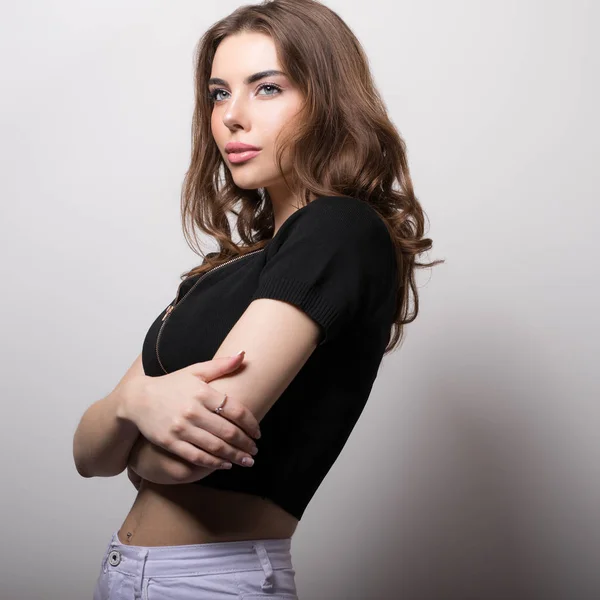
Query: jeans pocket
[(103, 585), (218, 586), (281, 585)]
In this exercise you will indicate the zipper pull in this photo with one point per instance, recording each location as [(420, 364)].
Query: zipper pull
[(167, 312)]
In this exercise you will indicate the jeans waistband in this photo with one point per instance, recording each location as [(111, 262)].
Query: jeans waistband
[(199, 559)]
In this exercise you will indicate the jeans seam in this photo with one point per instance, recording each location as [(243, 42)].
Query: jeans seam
[(237, 583), (145, 588)]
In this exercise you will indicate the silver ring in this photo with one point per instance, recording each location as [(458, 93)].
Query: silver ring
[(219, 408)]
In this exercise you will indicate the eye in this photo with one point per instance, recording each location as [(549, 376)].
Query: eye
[(212, 96), (270, 85)]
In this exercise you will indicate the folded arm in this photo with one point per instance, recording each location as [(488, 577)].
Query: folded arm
[(278, 338), (332, 264)]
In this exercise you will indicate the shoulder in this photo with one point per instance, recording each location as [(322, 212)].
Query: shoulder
[(338, 208), (334, 259), (341, 219)]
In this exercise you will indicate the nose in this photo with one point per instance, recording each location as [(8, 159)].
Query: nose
[(236, 114)]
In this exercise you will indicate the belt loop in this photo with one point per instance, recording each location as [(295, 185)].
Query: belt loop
[(260, 549)]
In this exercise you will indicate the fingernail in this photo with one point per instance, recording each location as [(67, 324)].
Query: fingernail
[(258, 434), (239, 353), (247, 462), (226, 465)]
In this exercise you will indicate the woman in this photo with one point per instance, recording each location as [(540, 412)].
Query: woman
[(311, 293)]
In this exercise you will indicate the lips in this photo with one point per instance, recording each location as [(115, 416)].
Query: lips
[(239, 147), (239, 157)]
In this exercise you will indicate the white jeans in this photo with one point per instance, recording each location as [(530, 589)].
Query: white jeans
[(245, 570)]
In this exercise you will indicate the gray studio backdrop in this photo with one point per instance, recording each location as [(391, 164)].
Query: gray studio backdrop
[(474, 471)]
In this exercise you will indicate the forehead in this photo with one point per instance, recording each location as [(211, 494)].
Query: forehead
[(242, 54)]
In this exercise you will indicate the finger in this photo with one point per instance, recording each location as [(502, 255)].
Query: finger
[(215, 446), (196, 456), (232, 410), (214, 368), (238, 414), (222, 428)]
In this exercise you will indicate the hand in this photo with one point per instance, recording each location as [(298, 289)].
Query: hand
[(176, 413)]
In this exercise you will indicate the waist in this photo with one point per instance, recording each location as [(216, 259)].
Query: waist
[(196, 559), (173, 515)]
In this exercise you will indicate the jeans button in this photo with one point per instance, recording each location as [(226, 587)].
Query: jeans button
[(114, 558)]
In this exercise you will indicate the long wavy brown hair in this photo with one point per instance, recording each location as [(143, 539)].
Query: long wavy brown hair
[(343, 144)]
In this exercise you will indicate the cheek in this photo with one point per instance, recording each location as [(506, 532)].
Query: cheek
[(273, 125), (275, 116)]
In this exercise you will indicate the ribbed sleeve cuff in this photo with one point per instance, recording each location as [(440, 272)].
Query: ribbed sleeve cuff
[(303, 296)]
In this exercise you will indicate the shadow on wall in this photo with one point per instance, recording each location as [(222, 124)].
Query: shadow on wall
[(480, 480)]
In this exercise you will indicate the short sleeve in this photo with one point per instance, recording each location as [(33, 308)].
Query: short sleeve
[(334, 259)]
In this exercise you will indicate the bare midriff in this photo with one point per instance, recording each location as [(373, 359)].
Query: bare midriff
[(175, 515)]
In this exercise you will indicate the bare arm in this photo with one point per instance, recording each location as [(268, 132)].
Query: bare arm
[(278, 338), (104, 438), (107, 441)]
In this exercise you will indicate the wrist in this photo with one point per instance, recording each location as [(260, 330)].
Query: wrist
[(128, 396)]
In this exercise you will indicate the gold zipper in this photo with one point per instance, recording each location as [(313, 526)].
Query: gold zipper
[(174, 304)]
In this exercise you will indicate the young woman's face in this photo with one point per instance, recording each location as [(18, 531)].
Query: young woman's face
[(251, 112)]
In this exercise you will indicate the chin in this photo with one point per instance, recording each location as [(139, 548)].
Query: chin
[(249, 182)]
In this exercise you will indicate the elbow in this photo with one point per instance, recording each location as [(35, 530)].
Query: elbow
[(82, 470), (79, 463), (78, 457), (89, 471)]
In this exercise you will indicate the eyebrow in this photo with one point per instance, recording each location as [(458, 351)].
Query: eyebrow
[(250, 79)]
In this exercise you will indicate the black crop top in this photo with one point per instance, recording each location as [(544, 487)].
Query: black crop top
[(335, 260)]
